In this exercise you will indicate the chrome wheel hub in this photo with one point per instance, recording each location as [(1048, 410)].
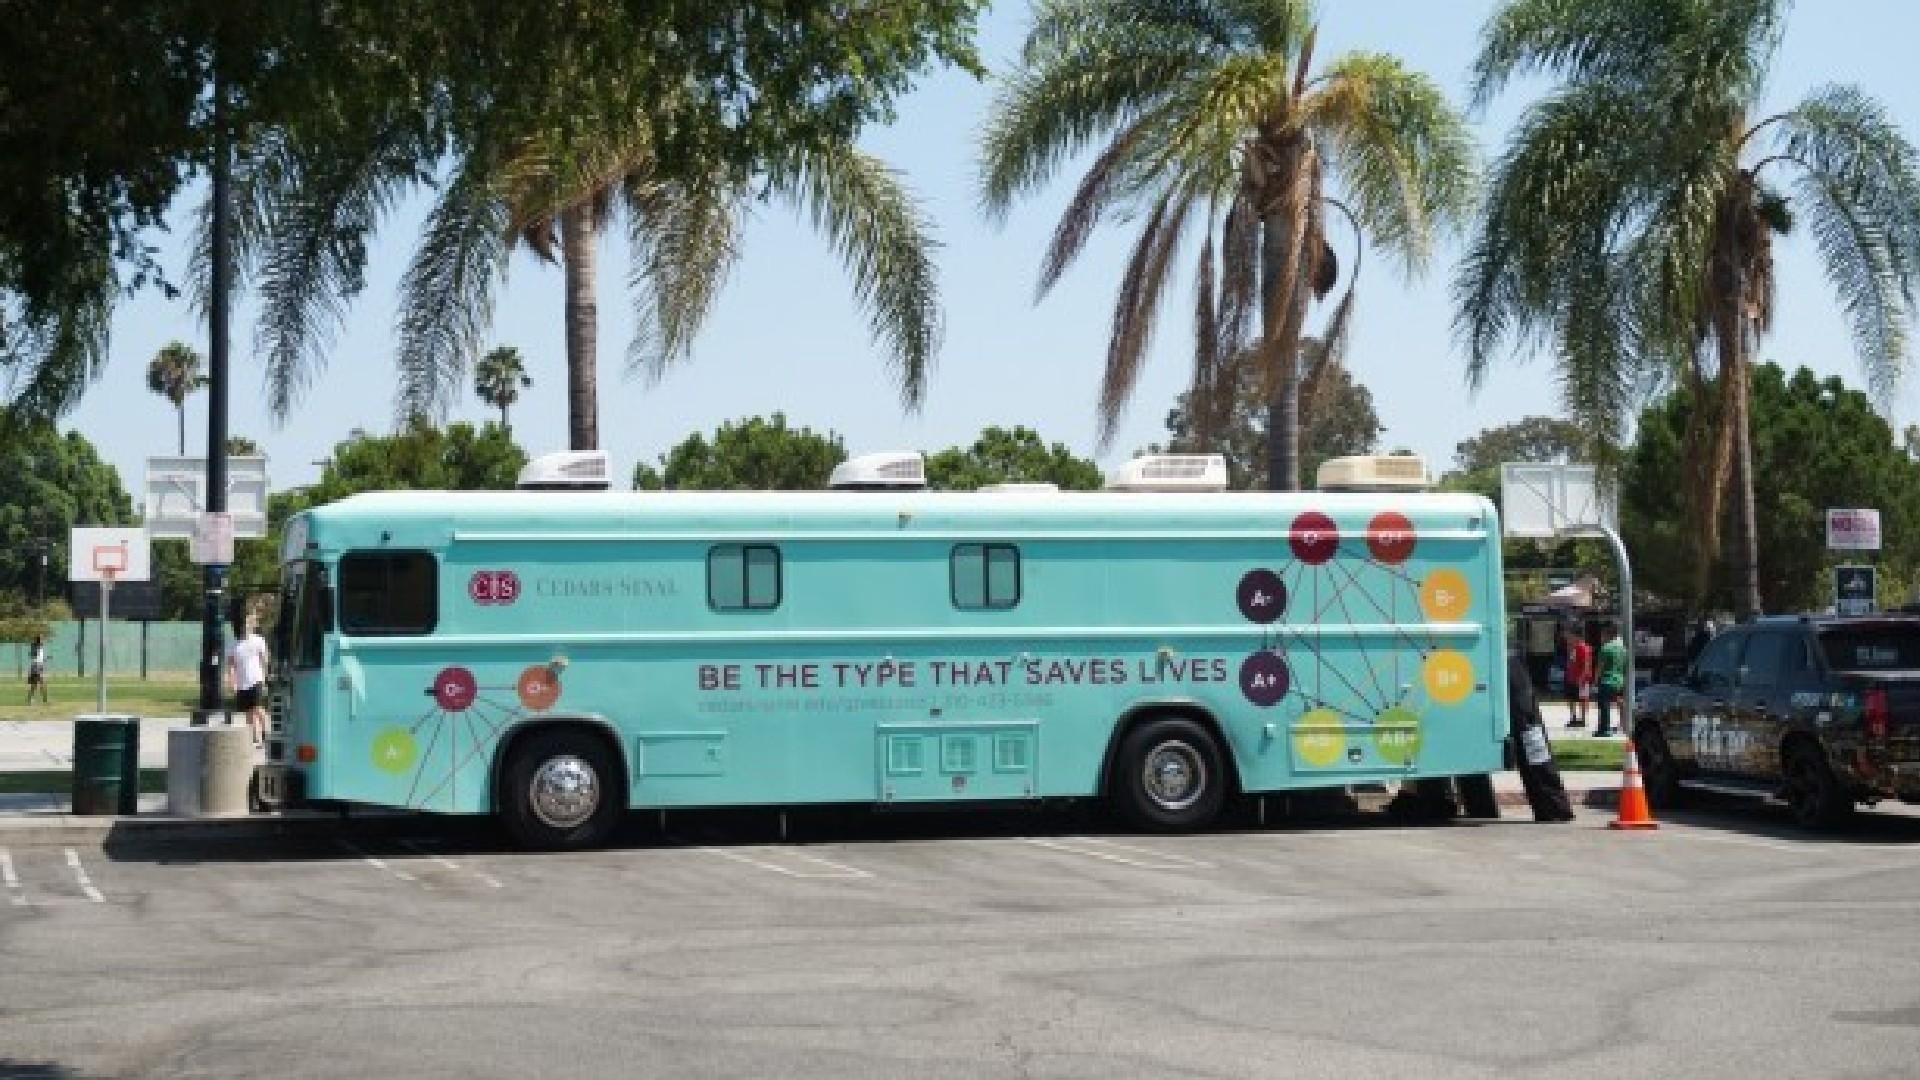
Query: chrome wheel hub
[(565, 792), (1174, 775)]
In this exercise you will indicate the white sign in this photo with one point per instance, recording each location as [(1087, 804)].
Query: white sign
[(213, 540), (1856, 590), (1853, 530), (98, 554)]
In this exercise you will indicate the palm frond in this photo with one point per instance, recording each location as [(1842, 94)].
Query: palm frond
[(1137, 306), (1206, 346), (1859, 190), (685, 239), (447, 292), (1097, 192), (1239, 273), (883, 238), (1403, 155), (50, 352)]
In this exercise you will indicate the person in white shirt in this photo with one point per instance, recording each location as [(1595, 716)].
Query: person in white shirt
[(247, 675)]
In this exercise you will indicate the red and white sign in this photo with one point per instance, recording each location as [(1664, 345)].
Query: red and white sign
[(1853, 530)]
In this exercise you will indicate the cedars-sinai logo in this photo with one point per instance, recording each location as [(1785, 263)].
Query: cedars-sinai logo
[(493, 587)]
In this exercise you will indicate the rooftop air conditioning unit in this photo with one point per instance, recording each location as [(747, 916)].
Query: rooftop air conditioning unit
[(1171, 472), (1023, 488), (880, 472), (1395, 472), (572, 470)]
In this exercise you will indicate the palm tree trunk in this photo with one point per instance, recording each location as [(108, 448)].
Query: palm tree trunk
[(1746, 546), (1283, 300), (579, 243), (180, 410)]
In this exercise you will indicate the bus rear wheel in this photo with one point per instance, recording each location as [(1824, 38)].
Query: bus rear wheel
[(1169, 776), (559, 791)]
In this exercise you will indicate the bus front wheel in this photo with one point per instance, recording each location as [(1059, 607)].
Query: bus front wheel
[(560, 791), (1169, 776)]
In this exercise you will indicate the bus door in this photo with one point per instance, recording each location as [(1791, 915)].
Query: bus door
[(305, 697)]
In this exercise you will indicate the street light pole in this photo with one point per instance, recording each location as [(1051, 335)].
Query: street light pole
[(211, 640)]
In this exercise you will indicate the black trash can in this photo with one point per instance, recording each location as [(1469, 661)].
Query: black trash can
[(106, 765)]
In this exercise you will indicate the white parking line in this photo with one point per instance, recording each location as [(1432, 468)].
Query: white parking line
[(1095, 848), (80, 872), (377, 864), (449, 864), (838, 871), (14, 893)]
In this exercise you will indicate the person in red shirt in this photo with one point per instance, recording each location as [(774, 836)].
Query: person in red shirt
[(1578, 677)]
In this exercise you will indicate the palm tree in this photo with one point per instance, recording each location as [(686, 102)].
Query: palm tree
[(1631, 224), (498, 379), (1212, 112), (174, 373)]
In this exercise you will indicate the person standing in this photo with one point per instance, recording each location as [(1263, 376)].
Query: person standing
[(37, 671), (1533, 754), (247, 674), (1610, 679), (1579, 678)]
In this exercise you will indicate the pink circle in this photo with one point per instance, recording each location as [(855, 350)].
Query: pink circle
[(1314, 538), (455, 688), (1390, 537)]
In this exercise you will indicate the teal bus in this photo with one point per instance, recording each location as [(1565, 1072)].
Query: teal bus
[(559, 657)]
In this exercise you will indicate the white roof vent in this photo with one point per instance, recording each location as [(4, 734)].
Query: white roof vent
[(572, 470), (880, 472), (1023, 488), (1396, 472), (1171, 472)]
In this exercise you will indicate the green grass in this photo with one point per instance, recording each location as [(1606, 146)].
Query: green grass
[(162, 695), (1589, 755), (152, 781)]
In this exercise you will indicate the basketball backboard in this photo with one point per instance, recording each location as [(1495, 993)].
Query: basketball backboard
[(1543, 501), (118, 553), (177, 495)]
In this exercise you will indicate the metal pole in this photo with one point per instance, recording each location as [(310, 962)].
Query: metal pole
[(1626, 624), (217, 319), (106, 602)]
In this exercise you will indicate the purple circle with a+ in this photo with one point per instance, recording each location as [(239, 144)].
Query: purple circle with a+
[(1265, 678), (1262, 596)]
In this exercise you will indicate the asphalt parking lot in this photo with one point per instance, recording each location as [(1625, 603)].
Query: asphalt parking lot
[(932, 946)]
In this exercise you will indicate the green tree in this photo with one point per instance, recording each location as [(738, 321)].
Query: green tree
[(1337, 419), (754, 454), (1010, 455), (421, 458), (1631, 223), (173, 373), (50, 483), (499, 378), (1214, 114), (1477, 461), (1820, 445)]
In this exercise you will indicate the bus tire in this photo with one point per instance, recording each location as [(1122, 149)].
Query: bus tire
[(560, 791), (1478, 799), (1169, 776)]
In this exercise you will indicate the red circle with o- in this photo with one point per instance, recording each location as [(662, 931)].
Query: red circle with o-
[(455, 688), (1314, 538), (1390, 537)]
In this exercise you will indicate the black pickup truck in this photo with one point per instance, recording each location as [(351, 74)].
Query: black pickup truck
[(1822, 712)]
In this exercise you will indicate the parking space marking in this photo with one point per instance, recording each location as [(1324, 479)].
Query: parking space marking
[(14, 892), (86, 883), (376, 863), (837, 870), (1096, 848), (449, 864)]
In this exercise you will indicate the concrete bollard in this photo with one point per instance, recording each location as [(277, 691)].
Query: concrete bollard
[(209, 771)]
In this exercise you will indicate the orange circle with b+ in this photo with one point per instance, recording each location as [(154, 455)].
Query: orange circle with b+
[(1445, 596), (538, 687)]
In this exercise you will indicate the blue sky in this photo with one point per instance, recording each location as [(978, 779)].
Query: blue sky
[(787, 337)]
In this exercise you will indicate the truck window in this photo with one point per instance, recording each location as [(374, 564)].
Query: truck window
[(1871, 648), (1719, 661), (1765, 659), (388, 593)]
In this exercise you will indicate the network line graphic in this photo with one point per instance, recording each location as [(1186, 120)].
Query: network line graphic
[(459, 729), (1343, 650)]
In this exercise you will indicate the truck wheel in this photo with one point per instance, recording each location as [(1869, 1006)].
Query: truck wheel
[(1477, 797), (560, 791), (1813, 793), (1169, 776), (1659, 772)]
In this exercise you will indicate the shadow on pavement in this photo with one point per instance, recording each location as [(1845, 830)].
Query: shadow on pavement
[(1889, 823)]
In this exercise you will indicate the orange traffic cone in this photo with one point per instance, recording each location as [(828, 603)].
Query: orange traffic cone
[(1633, 797)]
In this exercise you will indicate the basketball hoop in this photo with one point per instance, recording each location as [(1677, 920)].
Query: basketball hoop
[(109, 562)]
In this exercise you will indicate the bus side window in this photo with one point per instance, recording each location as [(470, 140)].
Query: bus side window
[(388, 593), (985, 576)]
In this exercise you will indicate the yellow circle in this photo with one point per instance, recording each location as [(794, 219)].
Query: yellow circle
[(394, 750), (1397, 736), (1445, 596), (1449, 677), (1319, 738)]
